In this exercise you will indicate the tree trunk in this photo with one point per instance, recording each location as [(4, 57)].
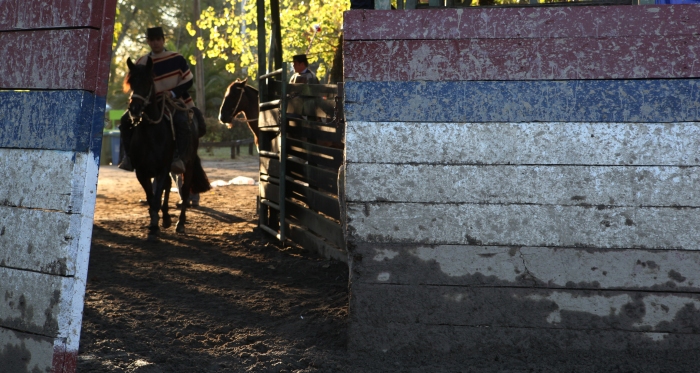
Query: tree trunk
[(199, 68)]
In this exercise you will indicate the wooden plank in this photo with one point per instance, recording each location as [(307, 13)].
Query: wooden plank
[(20, 14), (46, 62), (316, 223), (521, 23), (316, 177), (512, 349), (270, 166), (269, 118), (545, 143), (316, 154), (533, 267), (270, 191), (657, 100), (314, 90), (522, 307), (25, 352), (317, 131), (310, 107), (662, 228), (315, 200), (548, 185), (311, 242), (57, 120), (522, 59), (43, 179)]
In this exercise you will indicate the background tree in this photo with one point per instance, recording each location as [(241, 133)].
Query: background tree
[(231, 33)]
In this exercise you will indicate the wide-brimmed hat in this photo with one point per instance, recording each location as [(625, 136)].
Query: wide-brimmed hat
[(154, 32)]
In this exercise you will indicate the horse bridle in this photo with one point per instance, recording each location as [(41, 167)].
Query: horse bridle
[(146, 100), (235, 109)]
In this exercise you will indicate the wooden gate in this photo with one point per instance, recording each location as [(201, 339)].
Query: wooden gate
[(53, 87), (301, 149)]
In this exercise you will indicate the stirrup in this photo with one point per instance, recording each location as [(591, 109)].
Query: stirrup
[(125, 164), (178, 166)]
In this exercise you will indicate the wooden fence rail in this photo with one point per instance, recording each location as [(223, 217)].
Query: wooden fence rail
[(234, 145)]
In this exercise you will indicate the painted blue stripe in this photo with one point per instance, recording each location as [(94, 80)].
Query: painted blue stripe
[(55, 120), (660, 101)]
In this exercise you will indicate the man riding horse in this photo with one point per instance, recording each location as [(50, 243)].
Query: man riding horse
[(173, 77)]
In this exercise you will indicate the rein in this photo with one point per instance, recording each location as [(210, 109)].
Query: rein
[(235, 110)]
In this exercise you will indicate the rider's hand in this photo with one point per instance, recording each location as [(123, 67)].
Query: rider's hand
[(172, 94)]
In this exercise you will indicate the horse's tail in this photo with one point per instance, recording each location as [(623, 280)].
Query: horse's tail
[(200, 181)]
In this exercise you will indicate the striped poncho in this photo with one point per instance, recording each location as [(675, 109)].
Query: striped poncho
[(171, 73)]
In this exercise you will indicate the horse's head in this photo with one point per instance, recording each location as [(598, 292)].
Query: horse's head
[(140, 81), (235, 101)]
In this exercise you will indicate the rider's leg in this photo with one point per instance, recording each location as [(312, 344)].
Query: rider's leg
[(182, 141), (126, 130)]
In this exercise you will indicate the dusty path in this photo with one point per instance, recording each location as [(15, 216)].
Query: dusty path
[(222, 298)]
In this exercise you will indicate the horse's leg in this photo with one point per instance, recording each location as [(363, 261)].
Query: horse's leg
[(185, 195), (153, 203), (167, 220)]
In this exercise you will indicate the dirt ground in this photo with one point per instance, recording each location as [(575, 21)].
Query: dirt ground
[(222, 298)]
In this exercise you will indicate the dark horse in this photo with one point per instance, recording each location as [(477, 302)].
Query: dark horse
[(241, 97), (153, 146)]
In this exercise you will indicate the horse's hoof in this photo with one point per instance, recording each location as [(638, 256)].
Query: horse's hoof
[(152, 237), (167, 222), (180, 228)]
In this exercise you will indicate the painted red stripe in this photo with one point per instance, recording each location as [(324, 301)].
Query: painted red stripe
[(23, 14), (523, 59), (539, 22), (50, 59), (105, 48)]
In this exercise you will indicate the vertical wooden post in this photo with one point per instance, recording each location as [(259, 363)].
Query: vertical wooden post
[(276, 33), (261, 49)]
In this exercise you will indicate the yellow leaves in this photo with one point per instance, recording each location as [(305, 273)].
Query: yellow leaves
[(190, 29), (193, 61), (232, 34), (200, 44)]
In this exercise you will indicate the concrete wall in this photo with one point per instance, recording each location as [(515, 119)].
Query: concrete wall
[(522, 187), (53, 86)]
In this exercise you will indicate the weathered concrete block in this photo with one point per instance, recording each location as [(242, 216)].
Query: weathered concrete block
[(524, 225), (495, 349), (542, 267), (57, 120), (542, 185), (33, 302), (48, 180), (650, 101), (543, 143), (23, 352), (629, 57), (522, 23), (520, 307)]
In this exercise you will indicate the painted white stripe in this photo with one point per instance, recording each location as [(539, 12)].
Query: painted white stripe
[(545, 143), (525, 225), (43, 179), (563, 185), (562, 267), (38, 349)]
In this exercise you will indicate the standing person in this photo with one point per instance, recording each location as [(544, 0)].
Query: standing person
[(172, 76), (302, 74)]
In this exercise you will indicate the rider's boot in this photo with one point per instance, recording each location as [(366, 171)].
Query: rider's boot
[(182, 142), (126, 131)]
